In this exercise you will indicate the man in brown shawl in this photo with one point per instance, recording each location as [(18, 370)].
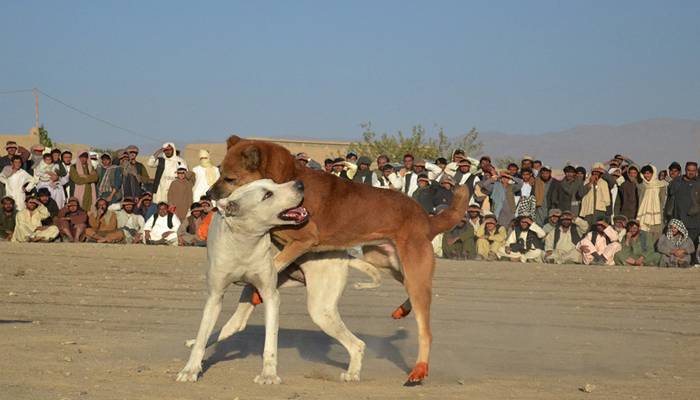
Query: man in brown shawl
[(72, 221), (180, 192), (103, 224), (84, 176)]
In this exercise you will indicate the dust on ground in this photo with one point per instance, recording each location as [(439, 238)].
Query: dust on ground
[(109, 322)]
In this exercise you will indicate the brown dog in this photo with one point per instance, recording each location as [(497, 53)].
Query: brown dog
[(344, 214)]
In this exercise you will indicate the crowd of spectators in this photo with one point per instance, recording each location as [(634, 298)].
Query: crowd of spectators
[(615, 213)]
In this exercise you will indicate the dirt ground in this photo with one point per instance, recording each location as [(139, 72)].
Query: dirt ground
[(109, 322)]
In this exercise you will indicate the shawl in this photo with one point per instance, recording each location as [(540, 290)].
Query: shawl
[(500, 196), (650, 211), (107, 179), (80, 188), (677, 239), (539, 192), (526, 206), (601, 193)]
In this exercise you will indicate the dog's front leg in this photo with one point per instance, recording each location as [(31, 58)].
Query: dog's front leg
[(211, 313), (270, 295)]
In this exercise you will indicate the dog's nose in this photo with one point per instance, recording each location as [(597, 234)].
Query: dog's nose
[(299, 185)]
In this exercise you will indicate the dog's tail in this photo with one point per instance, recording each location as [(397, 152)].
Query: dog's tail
[(453, 214), (369, 270)]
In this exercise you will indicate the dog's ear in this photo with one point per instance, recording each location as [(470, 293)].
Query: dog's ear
[(231, 141), (251, 158), (232, 208)]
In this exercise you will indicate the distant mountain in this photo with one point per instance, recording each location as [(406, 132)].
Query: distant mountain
[(659, 141)]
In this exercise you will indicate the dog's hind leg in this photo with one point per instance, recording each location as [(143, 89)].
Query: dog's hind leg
[(211, 312), (325, 284)]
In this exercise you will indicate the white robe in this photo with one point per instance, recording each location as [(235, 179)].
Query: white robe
[(14, 184), (169, 172), (160, 227), (41, 174), (202, 184)]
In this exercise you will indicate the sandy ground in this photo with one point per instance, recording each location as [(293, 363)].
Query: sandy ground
[(109, 322)]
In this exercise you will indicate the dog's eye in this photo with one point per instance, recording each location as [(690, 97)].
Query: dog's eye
[(267, 195), (230, 180)]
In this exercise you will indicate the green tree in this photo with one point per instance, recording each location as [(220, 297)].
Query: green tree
[(44, 138), (417, 143)]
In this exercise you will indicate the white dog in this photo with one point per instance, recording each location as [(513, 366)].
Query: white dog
[(239, 250)]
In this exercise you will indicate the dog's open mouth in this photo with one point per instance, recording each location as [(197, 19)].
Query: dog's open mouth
[(296, 214)]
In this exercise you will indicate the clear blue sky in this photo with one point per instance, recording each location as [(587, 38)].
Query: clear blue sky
[(198, 71)]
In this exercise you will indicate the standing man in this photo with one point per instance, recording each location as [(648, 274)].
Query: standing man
[(547, 191), (571, 188), (17, 182), (109, 182), (683, 201), (134, 174), (205, 175), (84, 177), (166, 162), (408, 178), (180, 193), (364, 174)]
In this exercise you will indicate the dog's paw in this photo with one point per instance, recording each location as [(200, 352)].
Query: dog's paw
[(189, 374), (263, 379), (350, 377), (189, 343)]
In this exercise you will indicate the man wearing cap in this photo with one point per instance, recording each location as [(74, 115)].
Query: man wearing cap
[(187, 232), (637, 248), (130, 223), (620, 226), (382, 160), (35, 158), (490, 237), (206, 174), (571, 188), (28, 227), (464, 175), (72, 221), (674, 171), (364, 174), (600, 245), (628, 202), (459, 242), (134, 174), (552, 220), (343, 169), (13, 150), (596, 195), (474, 216), (44, 197), (8, 214), (166, 162), (683, 202), (109, 183), (145, 206), (547, 191), (180, 192), (388, 179), (502, 189), (525, 242), (425, 193), (445, 192), (84, 178), (17, 181), (102, 224), (560, 243)]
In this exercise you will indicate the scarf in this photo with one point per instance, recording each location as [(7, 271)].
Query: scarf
[(80, 189), (107, 178), (650, 212), (677, 239), (131, 169), (597, 199), (540, 187), (209, 169)]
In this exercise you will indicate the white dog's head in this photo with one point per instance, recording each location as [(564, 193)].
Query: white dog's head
[(263, 204)]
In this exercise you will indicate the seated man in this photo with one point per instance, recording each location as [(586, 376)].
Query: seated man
[(675, 246), (28, 226), (72, 221), (552, 220), (162, 227), (145, 206), (637, 248), (459, 242), (8, 214), (490, 238), (130, 223), (44, 196), (102, 224), (560, 243), (620, 226), (187, 232), (600, 244), (525, 242)]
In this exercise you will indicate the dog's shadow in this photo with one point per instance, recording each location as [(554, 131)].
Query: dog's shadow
[(312, 346)]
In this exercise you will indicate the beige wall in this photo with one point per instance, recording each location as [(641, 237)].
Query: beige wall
[(318, 150)]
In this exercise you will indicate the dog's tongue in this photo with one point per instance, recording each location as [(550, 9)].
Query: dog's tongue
[(297, 214)]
